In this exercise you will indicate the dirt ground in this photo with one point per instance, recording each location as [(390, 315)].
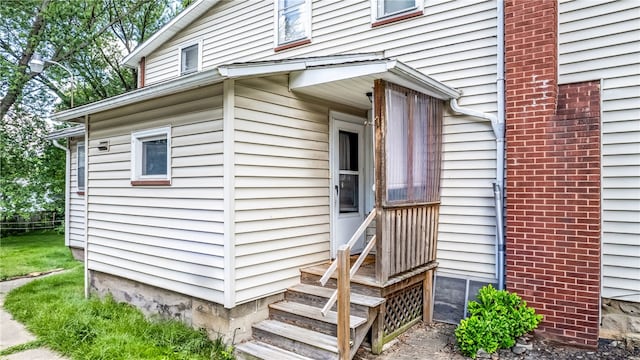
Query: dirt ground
[(437, 342)]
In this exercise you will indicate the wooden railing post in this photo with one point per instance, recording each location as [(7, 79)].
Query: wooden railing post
[(344, 303)]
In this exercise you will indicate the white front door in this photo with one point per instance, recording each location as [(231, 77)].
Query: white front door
[(347, 179)]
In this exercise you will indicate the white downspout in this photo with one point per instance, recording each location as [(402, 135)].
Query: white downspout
[(500, 149), (86, 206), (67, 194), (498, 127)]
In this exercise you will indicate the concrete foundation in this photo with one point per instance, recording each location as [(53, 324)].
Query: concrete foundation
[(621, 321), (77, 253), (234, 325)]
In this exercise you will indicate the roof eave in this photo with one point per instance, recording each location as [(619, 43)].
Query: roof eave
[(161, 89), (182, 20), (66, 133)]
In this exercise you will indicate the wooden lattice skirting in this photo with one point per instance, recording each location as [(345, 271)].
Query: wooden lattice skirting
[(403, 310)]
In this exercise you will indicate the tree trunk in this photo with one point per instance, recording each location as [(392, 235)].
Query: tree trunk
[(20, 78)]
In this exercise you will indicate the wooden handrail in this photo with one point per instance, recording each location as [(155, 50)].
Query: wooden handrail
[(352, 272), (344, 304), (342, 294), (350, 243)]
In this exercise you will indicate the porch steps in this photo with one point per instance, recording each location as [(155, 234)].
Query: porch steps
[(257, 350), (297, 330)]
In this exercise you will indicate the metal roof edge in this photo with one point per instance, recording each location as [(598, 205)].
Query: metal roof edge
[(408, 72), (66, 133), (161, 89), (241, 69)]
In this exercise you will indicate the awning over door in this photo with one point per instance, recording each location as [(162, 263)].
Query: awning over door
[(343, 79)]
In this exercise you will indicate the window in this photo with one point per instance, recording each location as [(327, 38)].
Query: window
[(386, 11), (151, 157), (80, 167), (293, 21), (190, 58), (349, 175), (413, 144)]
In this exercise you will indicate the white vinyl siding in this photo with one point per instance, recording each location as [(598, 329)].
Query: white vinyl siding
[(601, 40), (165, 236), (454, 42), (281, 186), (76, 201)]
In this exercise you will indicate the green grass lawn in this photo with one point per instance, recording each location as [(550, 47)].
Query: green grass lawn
[(33, 252), (55, 310)]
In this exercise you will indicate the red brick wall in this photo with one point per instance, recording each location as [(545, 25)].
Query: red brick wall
[(553, 179)]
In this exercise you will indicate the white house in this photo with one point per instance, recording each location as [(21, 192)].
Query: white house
[(263, 133)]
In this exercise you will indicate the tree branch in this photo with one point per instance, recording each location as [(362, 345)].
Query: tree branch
[(20, 78)]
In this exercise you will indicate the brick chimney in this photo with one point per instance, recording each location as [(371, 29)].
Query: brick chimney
[(553, 179)]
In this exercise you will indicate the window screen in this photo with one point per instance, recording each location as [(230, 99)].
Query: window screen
[(189, 59), (292, 20)]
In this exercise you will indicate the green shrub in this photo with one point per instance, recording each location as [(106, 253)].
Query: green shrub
[(495, 321)]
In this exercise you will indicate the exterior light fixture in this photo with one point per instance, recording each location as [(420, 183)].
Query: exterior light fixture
[(36, 65), (370, 96)]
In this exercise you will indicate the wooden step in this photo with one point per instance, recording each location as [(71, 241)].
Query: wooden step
[(257, 350), (360, 285), (295, 339), (309, 317), (318, 296), (359, 299)]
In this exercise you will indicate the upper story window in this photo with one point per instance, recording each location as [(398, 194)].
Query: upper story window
[(190, 59), (151, 157), (387, 11), (80, 173), (293, 22)]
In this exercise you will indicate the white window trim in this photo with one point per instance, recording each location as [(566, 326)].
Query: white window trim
[(419, 6), (307, 25), (78, 188), (136, 153), (184, 46)]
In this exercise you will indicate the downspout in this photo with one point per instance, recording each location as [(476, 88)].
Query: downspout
[(498, 127), (86, 206), (500, 149), (67, 193)]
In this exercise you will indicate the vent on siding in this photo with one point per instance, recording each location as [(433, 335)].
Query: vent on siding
[(452, 295), (103, 145)]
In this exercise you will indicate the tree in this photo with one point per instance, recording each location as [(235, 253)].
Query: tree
[(87, 36)]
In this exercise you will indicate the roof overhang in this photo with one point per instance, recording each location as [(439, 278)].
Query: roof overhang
[(180, 84), (186, 17), (343, 79), (66, 133)]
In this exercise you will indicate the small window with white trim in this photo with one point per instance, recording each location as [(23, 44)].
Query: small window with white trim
[(80, 173), (190, 59), (151, 157), (384, 11), (293, 21)]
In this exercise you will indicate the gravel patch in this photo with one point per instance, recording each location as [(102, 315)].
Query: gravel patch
[(437, 342)]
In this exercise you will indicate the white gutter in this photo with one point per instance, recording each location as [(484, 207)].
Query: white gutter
[(498, 127), (183, 83), (67, 184)]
